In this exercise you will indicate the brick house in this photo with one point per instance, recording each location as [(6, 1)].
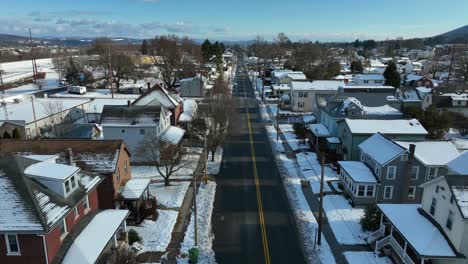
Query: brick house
[(46, 209), (109, 158)]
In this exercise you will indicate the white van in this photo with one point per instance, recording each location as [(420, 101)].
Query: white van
[(77, 89)]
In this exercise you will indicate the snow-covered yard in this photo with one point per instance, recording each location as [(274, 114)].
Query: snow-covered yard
[(264, 113), (344, 220), (156, 235), (19, 70), (291, 138), (169, 196), (277, 145), (311, 171), (205, 199), (189, 160), (365, 257), (215, 166)]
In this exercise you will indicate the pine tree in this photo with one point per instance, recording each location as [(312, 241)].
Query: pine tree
[(6, 135), (370, 221), (16, 134), (356, 66), (207, 50), (392, 77), (144, 47)]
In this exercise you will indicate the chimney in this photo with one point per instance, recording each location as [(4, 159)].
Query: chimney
[(129, 103), (149, 86), (412, 149), (70, 157), (346, 81)]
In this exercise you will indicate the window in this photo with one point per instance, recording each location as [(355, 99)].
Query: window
[(391, 172), (123, 131), (378, 81), (414, 173), (73, 182), (125, 166), (388, 192), (67, 187), (118, 175), (300, 104), (361, 190), (452, 199), (12, 245), (366, 81), (404, 157), (449, 222), (86, 204), (433, 206), (377, 170), (63, 229), (142, 131), (411, 192), (431, 173), (75, 210), (370, 191)]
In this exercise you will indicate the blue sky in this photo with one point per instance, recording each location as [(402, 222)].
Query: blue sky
[(234, 19)]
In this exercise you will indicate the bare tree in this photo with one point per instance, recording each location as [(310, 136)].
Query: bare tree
[(171, 161), (169, 58), (58, 123), (461, 68), (123, 255), (220, 87)]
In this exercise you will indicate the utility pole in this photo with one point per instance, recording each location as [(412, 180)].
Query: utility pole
[(277, 121), (110, 71), (319, 239), (33, 57), (206, 163), (34, 115), (195, 220), (1, 80)]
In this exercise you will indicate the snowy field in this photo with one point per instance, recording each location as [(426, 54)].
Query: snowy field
[(169, 196), (344, 220), (215, 166), (205, 200), (311, 170), (291, 138), (366, 258), (156, 235), (190, 162), (305, 220), (19, 70)]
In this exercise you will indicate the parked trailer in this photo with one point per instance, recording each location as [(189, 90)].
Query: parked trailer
[(77, 89)]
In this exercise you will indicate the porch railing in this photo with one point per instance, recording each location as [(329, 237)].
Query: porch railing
[(390, 240), (377, 233)]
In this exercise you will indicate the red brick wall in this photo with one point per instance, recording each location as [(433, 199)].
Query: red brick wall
[(31, 249), (53, 237)]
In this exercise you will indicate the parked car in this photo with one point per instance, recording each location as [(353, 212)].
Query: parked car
[(77, 89)]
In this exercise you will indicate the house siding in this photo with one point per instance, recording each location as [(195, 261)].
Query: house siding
[(31, 249)]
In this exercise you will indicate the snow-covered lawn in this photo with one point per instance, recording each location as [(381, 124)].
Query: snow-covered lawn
[(311, 171), (190, 162), (344, 220), (169, 196), (19, 70), (205, 200), (214, 166), (304, 218), (264, 113), (291, 138), (156, 235), (365, 257)]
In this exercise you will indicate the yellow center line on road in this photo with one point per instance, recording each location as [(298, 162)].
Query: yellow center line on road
[(259, 197)]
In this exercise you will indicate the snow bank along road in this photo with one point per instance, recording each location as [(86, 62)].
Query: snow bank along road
[(252, 220)]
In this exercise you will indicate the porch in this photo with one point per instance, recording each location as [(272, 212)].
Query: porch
[(136, 198), (408, 237)]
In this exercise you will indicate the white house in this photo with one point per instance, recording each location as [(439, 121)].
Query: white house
[(368, 80), (303, 97), (192, 87)]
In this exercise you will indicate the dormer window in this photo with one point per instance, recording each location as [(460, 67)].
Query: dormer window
[(70, 185), (67, 187), (73, 182)]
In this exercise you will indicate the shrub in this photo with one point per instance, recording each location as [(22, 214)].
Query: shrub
[(371, 219), (133, 237)]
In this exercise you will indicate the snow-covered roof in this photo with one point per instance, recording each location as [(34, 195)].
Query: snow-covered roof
[(369, 87), (368, 110), (50, 170), (296, 75), (23, 110), (97, 105), (15, 213), (308, 118), (48, 158), (459, 165), (423, 90), (370, 76), (97, 94), (435, 153), (417, 230), (115, 115), (333, 140), (190, 108), (51, 210), (281, 87), (160, 96), (381, 149), (134, 188), (396, 126), (172, 135), (88, 246), (358, 171), (322, 85), (413, 77), (319, 130)]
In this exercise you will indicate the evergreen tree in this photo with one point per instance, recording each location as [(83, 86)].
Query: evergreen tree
[(16, 134), (144, 47), (207, 50), (392, 77), (356, 66), (371, 219), (6, 135)]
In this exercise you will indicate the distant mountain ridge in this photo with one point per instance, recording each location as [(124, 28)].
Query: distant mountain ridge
[(459, 35)]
